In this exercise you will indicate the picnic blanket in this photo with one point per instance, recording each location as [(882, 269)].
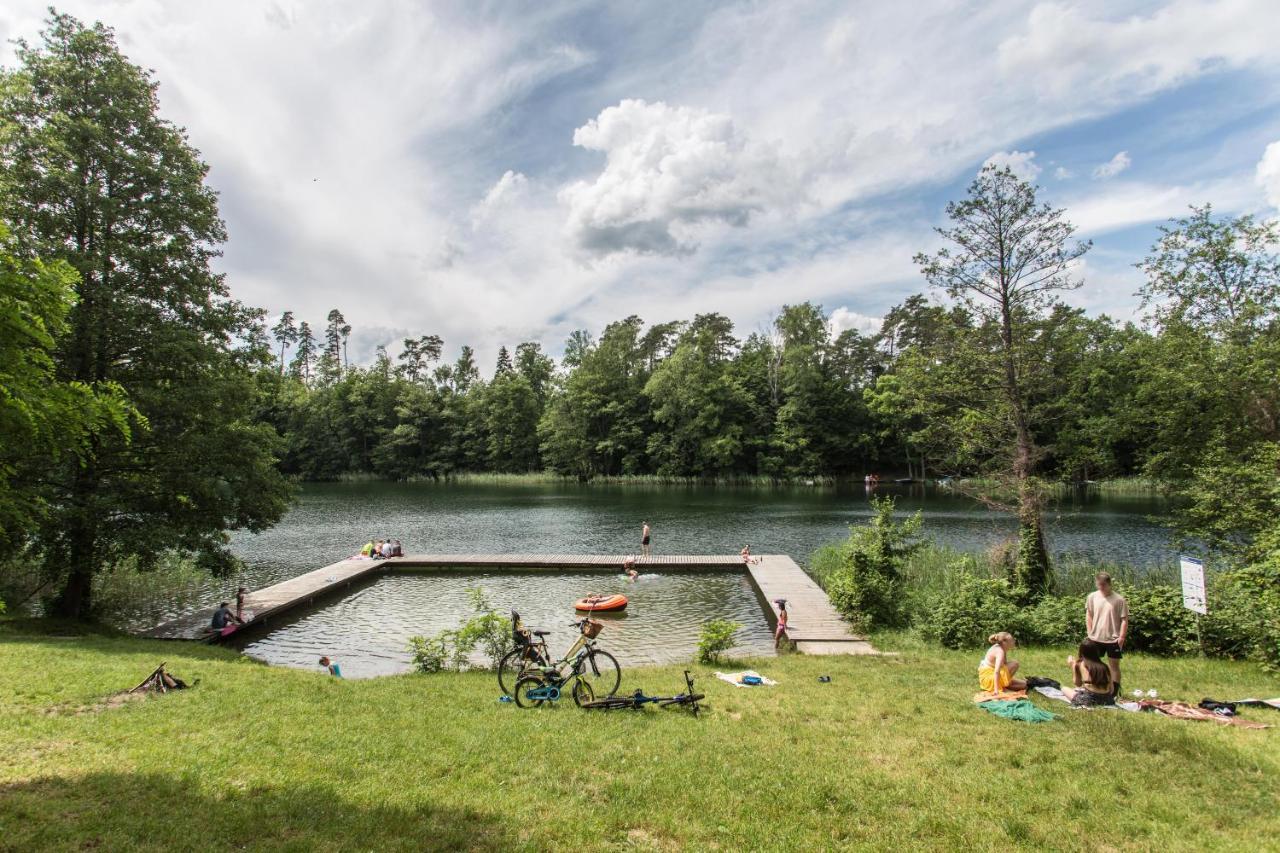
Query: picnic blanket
[(1000, 696), (1055, 693), (735, 678), (1017, 709), (1183, 711)]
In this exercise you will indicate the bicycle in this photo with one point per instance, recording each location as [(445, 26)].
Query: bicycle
[(638, 700), (592, 665)]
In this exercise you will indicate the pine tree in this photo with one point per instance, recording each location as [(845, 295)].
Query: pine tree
[(286, 334), (504, 367)]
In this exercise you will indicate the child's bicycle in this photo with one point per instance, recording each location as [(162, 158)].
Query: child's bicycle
[(638, 700), (543, 680)]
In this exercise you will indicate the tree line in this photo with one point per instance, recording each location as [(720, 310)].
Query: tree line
[(145, 409)]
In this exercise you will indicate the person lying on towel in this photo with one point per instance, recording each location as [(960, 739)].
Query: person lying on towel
[(997, 670)]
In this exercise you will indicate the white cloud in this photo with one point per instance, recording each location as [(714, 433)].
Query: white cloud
[(842, 318), (1268, 174), (1066, 52), (667, 170), (1123, 204), (1062, 173), (1021, 163), (1112, 167)]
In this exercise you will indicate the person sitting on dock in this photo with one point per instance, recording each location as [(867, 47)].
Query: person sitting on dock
[(388, 549), (223, 619), (398, 550), (746, 555), (367, 550), (333, 668)]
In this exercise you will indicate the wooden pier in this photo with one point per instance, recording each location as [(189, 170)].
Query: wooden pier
[(815, 626)]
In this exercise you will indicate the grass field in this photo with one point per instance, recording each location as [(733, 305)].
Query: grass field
[(890, 754)]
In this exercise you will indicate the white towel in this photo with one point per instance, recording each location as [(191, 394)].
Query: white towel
[(735, 678)]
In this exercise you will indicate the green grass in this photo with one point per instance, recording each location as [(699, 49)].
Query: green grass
[(890, 754)]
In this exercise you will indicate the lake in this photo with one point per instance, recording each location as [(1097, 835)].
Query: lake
[(366, 628)]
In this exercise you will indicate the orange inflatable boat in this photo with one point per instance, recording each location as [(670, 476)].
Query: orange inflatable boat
[(601, 602)]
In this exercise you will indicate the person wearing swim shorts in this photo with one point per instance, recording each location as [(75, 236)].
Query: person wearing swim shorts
[(644, 540), (1106, 622)]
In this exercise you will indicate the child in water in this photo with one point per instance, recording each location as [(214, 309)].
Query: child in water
[(629, 567)]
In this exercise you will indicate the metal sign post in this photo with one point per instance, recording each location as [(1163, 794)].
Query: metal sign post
[(1193, 595)]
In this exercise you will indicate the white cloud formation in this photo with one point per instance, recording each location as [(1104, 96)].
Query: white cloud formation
[(413, 165), (1268, 174), (842, 318), (1062, 173), (1021, 163), (667, 170), (1112, 167)]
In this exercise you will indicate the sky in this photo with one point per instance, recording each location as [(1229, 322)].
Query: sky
[(500, 172)]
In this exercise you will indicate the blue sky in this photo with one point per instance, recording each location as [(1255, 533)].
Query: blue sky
[(497, 172)]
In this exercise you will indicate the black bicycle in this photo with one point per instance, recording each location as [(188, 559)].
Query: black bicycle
[(636, 701), (593, 666)]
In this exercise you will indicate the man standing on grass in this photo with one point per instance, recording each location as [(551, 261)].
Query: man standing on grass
[(1106, 621)]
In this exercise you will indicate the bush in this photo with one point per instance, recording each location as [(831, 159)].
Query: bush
[(453, 649), (716, 639), (863, 574), (429, 653), (1244, 613), (1056, 620), (970, 610), (1158, 623)]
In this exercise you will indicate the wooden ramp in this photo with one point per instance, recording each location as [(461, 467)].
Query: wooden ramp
[(813, 625), (816, 627)]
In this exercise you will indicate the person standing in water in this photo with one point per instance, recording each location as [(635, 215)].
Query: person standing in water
[(645, 533)]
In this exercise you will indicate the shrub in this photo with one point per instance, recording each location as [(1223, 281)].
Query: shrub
[(1158, 623), (1056, 620), (716, 639), (970, 610), (453, 649), (863, 574), (429, 653), (1244, 613)]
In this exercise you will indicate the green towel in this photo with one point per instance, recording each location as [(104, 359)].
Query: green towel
[(1017, 709)]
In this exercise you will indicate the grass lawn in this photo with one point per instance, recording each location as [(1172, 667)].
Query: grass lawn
[(890, 754)]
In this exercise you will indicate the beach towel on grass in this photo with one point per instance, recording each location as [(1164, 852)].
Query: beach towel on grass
[(1183, 711), (1017, 709), (1055, 693), (735, 678), (987, 696)]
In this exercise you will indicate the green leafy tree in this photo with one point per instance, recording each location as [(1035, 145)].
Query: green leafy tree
[(1005, 258), (286, 335), (94, 177), (42, 418), (417, 356)]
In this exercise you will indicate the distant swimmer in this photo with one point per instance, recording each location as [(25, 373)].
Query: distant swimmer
[(629, 566)]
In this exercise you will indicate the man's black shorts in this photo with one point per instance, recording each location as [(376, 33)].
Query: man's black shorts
[(1113, 650)]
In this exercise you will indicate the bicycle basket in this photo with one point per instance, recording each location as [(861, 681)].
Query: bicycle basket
[(592, 629)]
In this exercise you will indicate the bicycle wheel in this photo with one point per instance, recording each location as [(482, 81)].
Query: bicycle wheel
[(522, 688), (582, 692), (601, 669), (510, 668)]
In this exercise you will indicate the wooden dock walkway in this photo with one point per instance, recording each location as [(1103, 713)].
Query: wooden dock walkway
[(816, 627)]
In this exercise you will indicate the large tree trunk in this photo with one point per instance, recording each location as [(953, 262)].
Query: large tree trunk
[(76, 599)]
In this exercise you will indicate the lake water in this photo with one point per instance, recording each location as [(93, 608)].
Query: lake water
[(366, 628)]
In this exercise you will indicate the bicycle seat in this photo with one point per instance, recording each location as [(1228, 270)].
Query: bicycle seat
[(541, 633)]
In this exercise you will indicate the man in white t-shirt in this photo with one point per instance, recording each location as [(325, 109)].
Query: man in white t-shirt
[(1106, 621)]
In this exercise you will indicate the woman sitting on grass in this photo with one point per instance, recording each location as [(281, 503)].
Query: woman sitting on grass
[(995, 673), (1091, 677)]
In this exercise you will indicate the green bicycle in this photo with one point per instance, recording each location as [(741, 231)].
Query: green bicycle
[(592, 666)]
